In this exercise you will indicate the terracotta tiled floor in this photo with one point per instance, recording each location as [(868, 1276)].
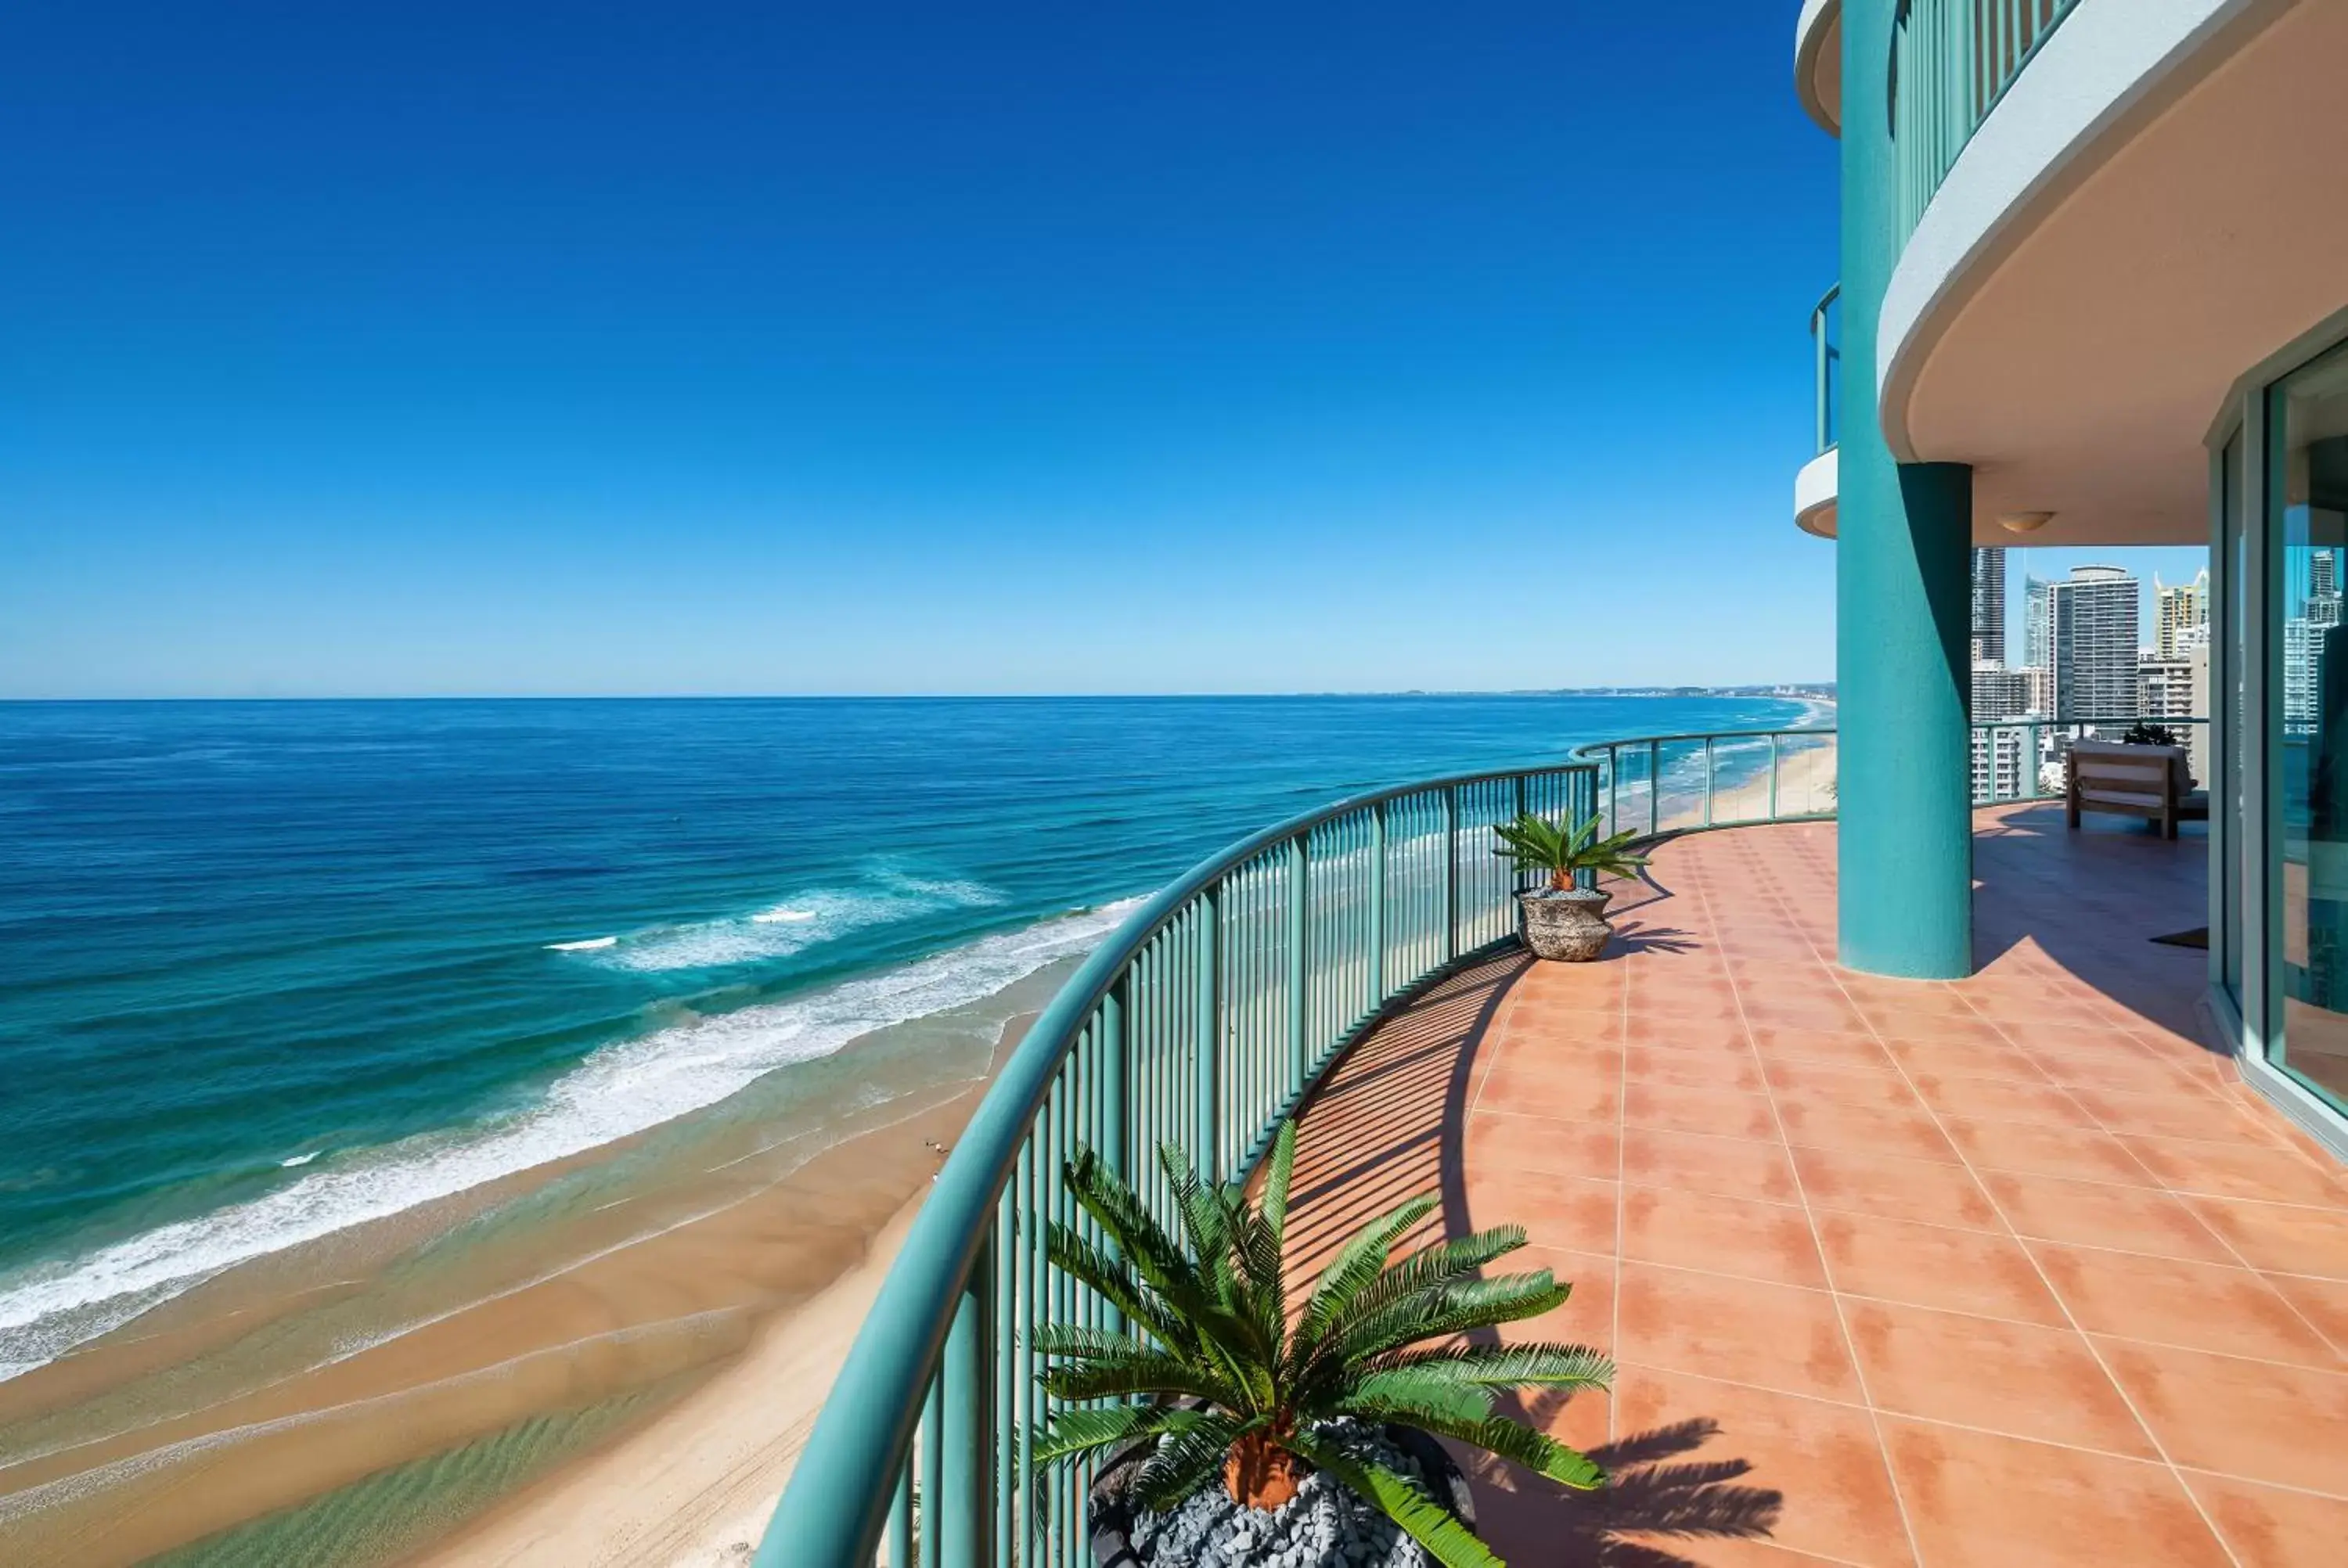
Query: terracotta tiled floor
[(2006, 1272)]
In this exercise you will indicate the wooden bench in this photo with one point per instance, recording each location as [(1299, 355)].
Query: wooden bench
[(2149, 782)]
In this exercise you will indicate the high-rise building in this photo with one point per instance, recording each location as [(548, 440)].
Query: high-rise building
[(1999, 754), (1989, 607), (2038, 627), (1999, 692), (2095, 615), (2163, 689), (2181, 616), (2041, 688), (2305, 635), (2002, 762)]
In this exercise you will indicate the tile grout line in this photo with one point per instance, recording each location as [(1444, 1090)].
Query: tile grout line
[(1621, 1186), (1988, 1431), (2161, 1182), (1817, 1246), (1835, 977)]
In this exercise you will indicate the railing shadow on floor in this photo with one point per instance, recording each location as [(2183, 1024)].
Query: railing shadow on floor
[(1390, 1125)]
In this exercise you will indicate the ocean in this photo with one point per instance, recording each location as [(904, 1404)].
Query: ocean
[(276, 971)]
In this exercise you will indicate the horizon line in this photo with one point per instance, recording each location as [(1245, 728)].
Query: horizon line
[(1804, 690)]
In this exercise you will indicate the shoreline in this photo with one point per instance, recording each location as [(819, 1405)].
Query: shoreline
[(696, 1483), (693, 1486), (637, 1283)]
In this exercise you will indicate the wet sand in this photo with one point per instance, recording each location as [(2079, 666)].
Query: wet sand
[(705, 1279)]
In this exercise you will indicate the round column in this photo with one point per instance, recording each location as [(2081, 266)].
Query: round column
[(1902, 600)]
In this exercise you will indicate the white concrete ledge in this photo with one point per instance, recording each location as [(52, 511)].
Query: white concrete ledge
[(1818, 63), (1816, 490), (2070, 109)]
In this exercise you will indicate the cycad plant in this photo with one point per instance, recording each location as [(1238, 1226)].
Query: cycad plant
[(1233, 1379), (1536, 844)]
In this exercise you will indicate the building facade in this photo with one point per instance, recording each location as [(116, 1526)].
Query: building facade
[(2181, 616), (1989, 607), (2092, 294), (2093, 620)]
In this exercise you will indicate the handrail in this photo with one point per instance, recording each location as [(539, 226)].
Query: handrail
[(1274, 954), (1828, 356), (1951, 61), (1990, 767)]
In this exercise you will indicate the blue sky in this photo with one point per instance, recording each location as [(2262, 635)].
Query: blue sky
[(709, 348)]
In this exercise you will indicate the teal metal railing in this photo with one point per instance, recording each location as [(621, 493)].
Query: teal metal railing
[(1660, 784), (1952, 60), (1827, 351), (1203, 1021), (2012, 758)]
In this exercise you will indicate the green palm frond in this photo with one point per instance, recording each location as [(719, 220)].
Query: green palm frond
[(1533, 843), (1078, 1432), (1511, 1366), (1356, 1267), (1400, 1499), (1454, 1307), (1437, 1264), (1209, 1358)]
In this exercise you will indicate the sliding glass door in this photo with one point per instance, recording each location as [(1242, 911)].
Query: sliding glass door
[(2306, 527)]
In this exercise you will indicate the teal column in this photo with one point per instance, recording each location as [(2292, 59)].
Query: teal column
[(1902, 600)]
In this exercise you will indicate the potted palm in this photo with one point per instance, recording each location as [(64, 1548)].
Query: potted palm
[(1566, 920), (1244, 1426)]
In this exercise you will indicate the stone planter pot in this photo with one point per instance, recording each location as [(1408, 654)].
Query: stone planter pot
[(1569, 926), (1110, 1508)]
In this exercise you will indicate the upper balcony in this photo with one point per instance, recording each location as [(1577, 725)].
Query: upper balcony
[(1818, 62), (2117, 208)]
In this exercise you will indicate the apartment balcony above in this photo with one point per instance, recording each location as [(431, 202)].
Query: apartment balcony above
[(1818, 485), (1818, 63), (2119, 209)]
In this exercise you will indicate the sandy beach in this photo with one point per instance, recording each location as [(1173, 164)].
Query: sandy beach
[(622, 1381)]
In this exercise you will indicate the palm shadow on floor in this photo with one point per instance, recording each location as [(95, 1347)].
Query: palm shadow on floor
[(1657, 1495)]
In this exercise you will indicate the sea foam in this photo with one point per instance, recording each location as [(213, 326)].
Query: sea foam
[(823, 915), (618, 1091)]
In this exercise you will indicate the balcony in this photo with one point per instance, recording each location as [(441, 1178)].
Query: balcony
[(2009, 1270), (2012, 1269), (1818, 488), (2103, 233)]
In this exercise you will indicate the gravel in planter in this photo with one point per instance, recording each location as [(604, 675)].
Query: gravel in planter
[(1324, 1525)]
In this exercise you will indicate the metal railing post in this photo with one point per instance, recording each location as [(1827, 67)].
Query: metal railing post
[(1115, 1111), (1825, 354), (1450, 873), (1300, 886), (1654, 791), (1773, 775), (1206, 1141), (1707, 781), (900, 1518), (961, 1498), (1378, 905)]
